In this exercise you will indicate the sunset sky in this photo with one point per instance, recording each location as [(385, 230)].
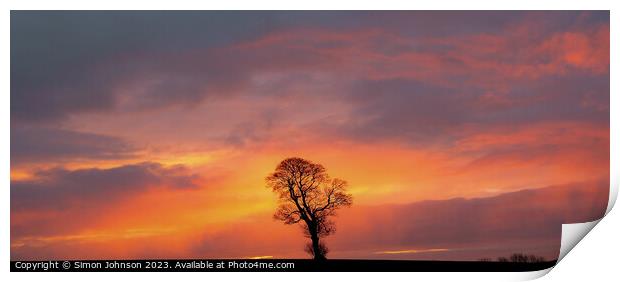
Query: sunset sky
[(462, 135)]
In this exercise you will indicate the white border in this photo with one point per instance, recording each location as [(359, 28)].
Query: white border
[(311, 5), (283, 5)]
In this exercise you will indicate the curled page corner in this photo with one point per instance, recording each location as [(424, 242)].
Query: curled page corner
[(613, 193), (531, 275), (573, 233), (571, 236)]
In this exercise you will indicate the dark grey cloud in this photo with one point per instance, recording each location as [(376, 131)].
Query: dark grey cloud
[(65, 62), (526, 215), (60, 59), (42, 144), (63, 190), (554, 98), (422, 113), (70, 201), (406, 109)]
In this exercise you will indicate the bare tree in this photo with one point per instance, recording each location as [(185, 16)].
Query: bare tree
[(307, 195), (522, 258)]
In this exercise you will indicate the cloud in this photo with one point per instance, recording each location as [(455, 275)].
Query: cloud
[(405, 109), (149, 60), (58, 202), (464, 229), (41, 144), (60, 189), (421, 113), (524, 220), (72, 62)]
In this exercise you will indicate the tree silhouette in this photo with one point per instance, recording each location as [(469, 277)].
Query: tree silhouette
[(307, 195), (522, 258)]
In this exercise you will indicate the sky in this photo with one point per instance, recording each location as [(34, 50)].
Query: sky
[(462, 135)]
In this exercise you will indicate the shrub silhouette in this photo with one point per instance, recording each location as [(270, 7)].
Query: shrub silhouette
[(323, 250), (522, 258)]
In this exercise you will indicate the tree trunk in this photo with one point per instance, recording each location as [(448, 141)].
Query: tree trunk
[(317, 251), (316, 247)]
